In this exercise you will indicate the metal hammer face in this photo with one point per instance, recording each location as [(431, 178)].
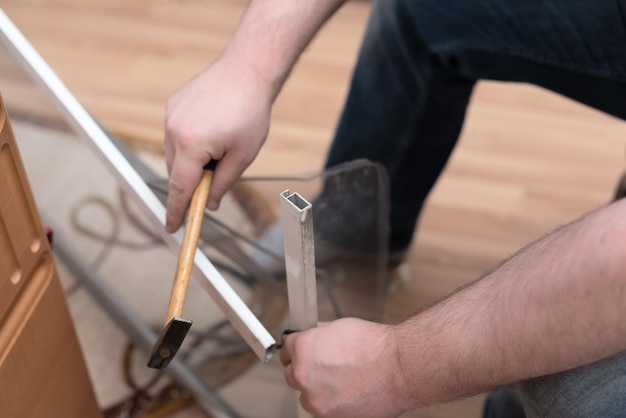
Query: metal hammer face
[(169, 342)]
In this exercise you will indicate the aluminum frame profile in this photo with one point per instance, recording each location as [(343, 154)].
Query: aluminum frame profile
[(237, 312), (299, 260), (297, 218)]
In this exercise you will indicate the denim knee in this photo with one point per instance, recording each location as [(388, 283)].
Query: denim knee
[(596, 390)]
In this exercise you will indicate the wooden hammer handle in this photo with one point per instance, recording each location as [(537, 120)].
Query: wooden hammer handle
[(188, 246)]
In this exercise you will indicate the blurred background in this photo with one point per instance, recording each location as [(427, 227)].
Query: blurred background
[(528, 161)]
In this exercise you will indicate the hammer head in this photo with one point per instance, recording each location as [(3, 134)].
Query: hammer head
[(169, 342)]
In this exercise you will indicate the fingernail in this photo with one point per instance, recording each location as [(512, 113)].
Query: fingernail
[(169, 225), (213, 205)]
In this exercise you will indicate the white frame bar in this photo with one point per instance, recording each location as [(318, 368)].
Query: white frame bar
[(237, 312)]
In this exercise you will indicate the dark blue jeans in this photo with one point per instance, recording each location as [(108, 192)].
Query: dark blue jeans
[(420, 60)]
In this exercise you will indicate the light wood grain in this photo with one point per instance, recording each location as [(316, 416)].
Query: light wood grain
[(42, 370), (188, 246)]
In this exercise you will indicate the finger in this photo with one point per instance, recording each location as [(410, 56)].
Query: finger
[(169, 139), (170, 153), (290, 378), (226, 174), (184, 178), (306, 403), (286, 353)]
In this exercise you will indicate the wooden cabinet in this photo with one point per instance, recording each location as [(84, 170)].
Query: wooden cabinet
[(42, 369)]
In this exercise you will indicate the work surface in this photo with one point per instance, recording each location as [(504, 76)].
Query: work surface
[(527, 161)]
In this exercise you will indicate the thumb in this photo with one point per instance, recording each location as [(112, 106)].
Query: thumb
[(183, 180)]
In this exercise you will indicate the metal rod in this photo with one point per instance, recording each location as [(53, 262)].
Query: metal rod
[(133, 325), (299, 260), (297, 219), (241, 317)]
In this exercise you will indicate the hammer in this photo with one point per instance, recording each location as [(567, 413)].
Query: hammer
[(176, 327)]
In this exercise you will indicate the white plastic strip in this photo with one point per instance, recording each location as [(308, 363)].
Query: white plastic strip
[(240, 316)]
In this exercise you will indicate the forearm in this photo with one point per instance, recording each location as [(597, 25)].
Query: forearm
[(273, 33), (556, 305)]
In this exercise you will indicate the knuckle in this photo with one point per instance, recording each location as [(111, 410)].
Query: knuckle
[(171, 126), (219, 189), (312, 404), (304, 342), (184, 140), (181, 138), (306, 403), (176, 187), (244, 157), (300, 374)]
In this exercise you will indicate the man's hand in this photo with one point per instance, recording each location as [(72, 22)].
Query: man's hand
[(222, 114), (347, 368)]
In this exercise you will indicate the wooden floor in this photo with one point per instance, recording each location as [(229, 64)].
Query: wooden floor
[(528, 160)]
